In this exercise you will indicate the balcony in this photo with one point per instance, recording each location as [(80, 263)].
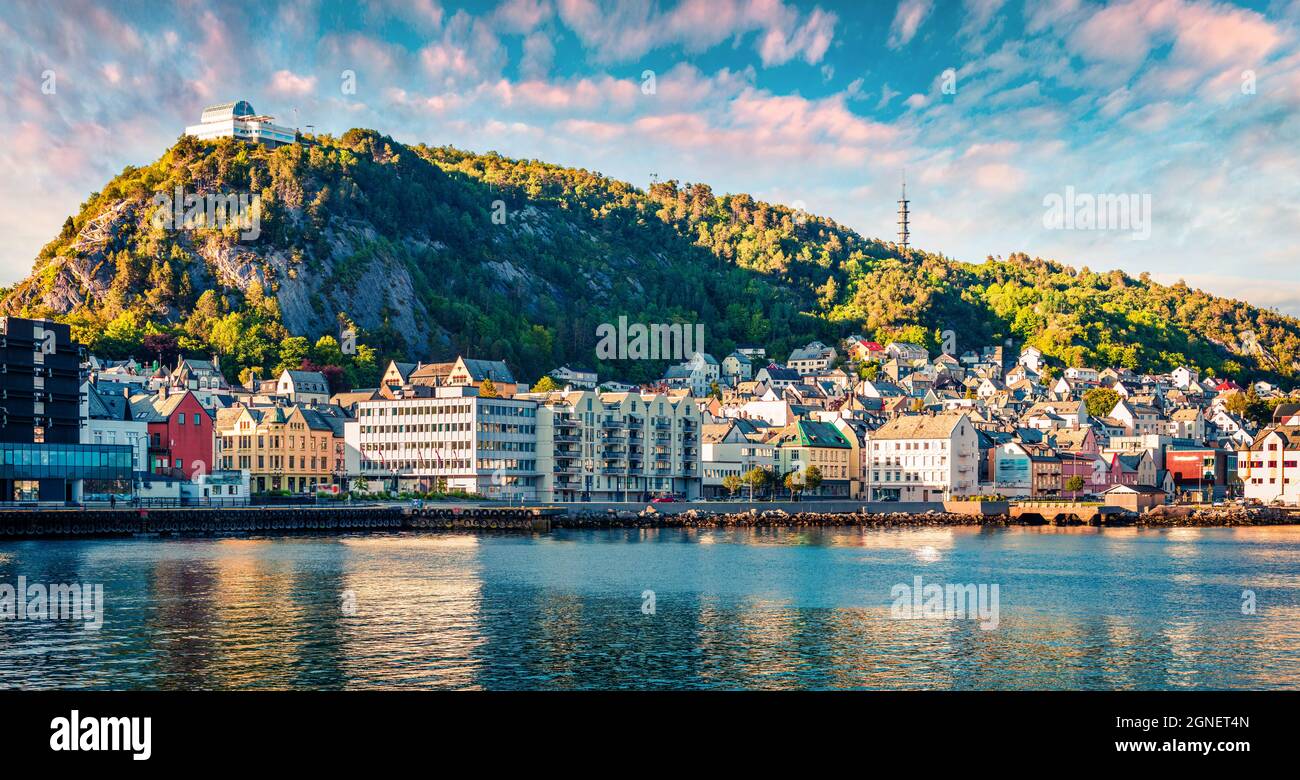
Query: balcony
[(567, 438), (566, 421), (612, 423), (663, 425)]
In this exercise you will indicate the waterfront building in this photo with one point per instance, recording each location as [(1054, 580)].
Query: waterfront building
[(446, 438), (1199, 470), (42, 455), (180, 432), (281, 448), (923, 458), (1269, 466), (1045, 469), (1012, 469), (107, 419), (238, 120), (617, 446), (727, 449), (805, 443), (1135, 498)]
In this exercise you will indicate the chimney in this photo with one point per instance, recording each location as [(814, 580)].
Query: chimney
[(216, 361)]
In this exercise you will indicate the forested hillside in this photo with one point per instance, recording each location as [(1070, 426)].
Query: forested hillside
[(433, 251)]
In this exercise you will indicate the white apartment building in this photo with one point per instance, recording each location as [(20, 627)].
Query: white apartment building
[(450, 438), (923, 458), (1269, 467), (616, 446)]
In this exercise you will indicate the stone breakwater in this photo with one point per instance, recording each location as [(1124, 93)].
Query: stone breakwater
[(62, 524), (695, 518)]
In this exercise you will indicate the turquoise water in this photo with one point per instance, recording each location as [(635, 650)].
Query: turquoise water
[(1078, 608)]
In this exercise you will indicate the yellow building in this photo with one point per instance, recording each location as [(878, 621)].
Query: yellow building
[(282, 448)]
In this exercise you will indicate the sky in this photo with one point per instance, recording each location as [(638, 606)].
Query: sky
[(996, 111)]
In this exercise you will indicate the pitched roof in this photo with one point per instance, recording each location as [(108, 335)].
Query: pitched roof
[(919, 426)]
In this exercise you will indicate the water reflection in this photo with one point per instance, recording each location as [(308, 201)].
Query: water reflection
[(733, 608)]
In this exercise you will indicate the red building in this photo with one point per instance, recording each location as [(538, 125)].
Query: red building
[(1200, 469), (180, 432)]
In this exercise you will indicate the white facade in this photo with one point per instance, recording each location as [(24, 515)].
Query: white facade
[(238, 120), (453, 440), (1270, 468), (923, 458)]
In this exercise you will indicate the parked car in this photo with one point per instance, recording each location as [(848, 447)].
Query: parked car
[(665, 500)]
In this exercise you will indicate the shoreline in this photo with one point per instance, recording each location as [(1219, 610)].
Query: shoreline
[(779, 518), (271, 521)]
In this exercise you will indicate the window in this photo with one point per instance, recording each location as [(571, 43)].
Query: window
[(196, 418)]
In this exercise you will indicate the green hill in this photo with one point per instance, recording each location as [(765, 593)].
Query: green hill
[(434, 251)]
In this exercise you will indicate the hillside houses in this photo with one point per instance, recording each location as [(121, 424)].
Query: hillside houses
[(873, 422)]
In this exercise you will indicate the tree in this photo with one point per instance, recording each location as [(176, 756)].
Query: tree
[(732, 482), (487, 389), (327, 352), (812, 477), (794, 483), (545, 385), (756, 479), (360, 485), (1100, 401), (162, 346), (293, 351), (1074, 485)]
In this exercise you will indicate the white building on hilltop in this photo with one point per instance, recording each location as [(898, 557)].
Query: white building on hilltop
[(238, 120)]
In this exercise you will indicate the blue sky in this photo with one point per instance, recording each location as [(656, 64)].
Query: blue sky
[(990, 106)]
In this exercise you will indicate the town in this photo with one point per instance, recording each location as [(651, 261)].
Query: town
[(857, 421)]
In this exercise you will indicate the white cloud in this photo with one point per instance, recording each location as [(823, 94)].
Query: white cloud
[(907, 20)]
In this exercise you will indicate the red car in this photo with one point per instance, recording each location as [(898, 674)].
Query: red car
[(665, 500)]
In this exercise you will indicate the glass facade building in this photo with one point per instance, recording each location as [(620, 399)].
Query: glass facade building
[(65, 461)]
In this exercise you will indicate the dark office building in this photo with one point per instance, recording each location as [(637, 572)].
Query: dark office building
[(41, 457)]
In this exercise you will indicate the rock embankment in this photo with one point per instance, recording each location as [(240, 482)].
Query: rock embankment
[(1191, 516), (778, 518), (697, 518)]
